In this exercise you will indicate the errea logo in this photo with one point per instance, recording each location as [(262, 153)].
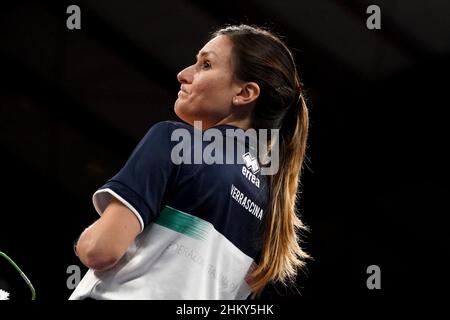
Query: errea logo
[(251, 165), (251, 162)]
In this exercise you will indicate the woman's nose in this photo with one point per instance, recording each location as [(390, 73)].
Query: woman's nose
[(185, 75)]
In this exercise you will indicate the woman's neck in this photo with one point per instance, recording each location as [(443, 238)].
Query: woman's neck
[(243, 124), (242, 121)]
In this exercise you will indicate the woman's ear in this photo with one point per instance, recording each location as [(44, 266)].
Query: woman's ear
[(248, 93)]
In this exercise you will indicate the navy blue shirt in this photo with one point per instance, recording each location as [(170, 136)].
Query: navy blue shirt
[(150, 180), (202, 222)]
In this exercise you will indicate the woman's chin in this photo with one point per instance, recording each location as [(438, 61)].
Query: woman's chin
[(178, 108)]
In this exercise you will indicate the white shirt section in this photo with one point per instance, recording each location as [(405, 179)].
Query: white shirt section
[(162, 261)]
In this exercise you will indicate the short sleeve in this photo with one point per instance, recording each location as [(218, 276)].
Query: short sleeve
[(143, 182)]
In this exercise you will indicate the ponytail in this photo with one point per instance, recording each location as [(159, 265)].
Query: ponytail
[(282, 254)]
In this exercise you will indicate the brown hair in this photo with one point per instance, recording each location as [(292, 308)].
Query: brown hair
[(260, 56)]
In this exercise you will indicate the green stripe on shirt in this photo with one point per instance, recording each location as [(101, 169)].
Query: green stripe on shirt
[(184, 223)]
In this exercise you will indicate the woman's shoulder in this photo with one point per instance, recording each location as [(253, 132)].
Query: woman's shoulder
[(169, 126), (162, 133)]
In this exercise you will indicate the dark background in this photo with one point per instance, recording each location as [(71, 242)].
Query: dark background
[(74, 103)]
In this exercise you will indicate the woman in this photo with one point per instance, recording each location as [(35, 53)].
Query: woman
[(207, 230)]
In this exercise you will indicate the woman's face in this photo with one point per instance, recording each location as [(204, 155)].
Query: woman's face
[(207, 87)]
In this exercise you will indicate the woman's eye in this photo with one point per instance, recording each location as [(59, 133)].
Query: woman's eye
[(206, 64)]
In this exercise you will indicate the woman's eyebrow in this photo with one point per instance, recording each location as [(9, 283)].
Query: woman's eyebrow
[(205, 53)]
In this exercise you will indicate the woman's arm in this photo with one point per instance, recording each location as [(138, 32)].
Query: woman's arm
[(102, 244)]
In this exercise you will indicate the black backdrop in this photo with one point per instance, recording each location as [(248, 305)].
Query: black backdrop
[(74, 103)]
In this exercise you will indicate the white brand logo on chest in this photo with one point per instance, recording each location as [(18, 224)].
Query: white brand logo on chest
[(251, 167)]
